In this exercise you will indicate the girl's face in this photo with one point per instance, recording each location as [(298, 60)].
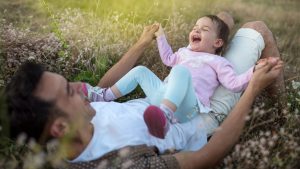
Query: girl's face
[(203, 37)]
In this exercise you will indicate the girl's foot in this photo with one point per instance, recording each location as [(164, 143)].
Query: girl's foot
[(156, 121), (97, 94)]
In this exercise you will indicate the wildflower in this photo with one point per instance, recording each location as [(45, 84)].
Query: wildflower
[(271, 143), (124, 152), (237, 148), (265, 159), (282, 131), (102, 165), (21, 139), (262, 141), (295, 84), (34, 160), (127, 164), (268, 133), (265, 152), (247, 118)]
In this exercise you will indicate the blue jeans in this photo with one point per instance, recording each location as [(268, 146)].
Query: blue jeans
[(178, 89)]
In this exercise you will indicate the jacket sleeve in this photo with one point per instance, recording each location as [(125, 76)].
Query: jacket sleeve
[(229, 79), (165, 51)]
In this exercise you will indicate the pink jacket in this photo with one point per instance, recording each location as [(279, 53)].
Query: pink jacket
[(208, 71)]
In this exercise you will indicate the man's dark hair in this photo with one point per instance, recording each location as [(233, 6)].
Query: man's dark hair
[(28, 114), (223, 31)]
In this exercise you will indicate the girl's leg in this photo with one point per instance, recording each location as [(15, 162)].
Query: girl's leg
[(142, 76), (180, 95)]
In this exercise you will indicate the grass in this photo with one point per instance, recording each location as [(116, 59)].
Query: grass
[(82, 39)]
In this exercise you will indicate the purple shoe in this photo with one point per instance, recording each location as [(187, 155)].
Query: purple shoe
[(93, 94), (156, 121), (84, 89)]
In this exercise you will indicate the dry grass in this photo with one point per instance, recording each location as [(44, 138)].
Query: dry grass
[(91, 43)]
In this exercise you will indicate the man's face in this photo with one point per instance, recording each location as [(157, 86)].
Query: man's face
[(67, 97)]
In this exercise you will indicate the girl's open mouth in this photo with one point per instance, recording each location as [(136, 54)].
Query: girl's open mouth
[(196, 38)]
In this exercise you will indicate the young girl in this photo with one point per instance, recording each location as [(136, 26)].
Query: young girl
[(196, 72)]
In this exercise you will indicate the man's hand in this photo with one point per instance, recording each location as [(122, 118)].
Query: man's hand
[(148, 34), (262, 62), (129, 59), (267, 72)]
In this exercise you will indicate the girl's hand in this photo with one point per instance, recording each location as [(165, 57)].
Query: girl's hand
[(262, 62), (160, 31)]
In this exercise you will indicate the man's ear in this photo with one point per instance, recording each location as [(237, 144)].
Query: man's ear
[(218, 43), (59, 127)]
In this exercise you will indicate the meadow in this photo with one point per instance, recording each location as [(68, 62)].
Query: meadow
[(82, 39)]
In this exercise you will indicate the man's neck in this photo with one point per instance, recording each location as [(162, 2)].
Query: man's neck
[(79, 143)]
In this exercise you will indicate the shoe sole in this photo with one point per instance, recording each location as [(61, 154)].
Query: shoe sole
[(156, 121)]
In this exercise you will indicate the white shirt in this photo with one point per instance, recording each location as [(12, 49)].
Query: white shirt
[(117, 125)]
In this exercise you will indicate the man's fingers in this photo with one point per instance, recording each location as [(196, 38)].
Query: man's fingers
[(154, 27), (156, 24), (147, 28), (261, 61), (266, 74), (280, 66), (266, 67), (280, 62)]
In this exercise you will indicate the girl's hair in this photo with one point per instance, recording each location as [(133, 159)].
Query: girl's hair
[(222, 31)]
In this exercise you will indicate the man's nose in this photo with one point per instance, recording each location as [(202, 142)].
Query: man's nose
[(77, 86)]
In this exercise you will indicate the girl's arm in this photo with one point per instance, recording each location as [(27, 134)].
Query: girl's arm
[(229, 79), (238, 83), (165, 51)]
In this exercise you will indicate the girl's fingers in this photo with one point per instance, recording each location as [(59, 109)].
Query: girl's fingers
[(278, 66), (260, 61)]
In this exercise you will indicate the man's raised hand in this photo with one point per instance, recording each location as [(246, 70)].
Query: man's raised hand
[(148, 34)]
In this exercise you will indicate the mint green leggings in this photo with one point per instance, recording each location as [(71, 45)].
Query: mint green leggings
[(178, 89)]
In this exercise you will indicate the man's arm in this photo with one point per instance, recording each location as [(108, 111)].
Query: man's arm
[(129, 59), (230, 130)]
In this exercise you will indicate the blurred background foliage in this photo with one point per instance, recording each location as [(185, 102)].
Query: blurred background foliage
[(83, 39)]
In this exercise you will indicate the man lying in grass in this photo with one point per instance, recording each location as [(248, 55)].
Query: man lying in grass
[(44, 106)]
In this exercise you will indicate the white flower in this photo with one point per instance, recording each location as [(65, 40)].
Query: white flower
[(295, 85), (21, 139)]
